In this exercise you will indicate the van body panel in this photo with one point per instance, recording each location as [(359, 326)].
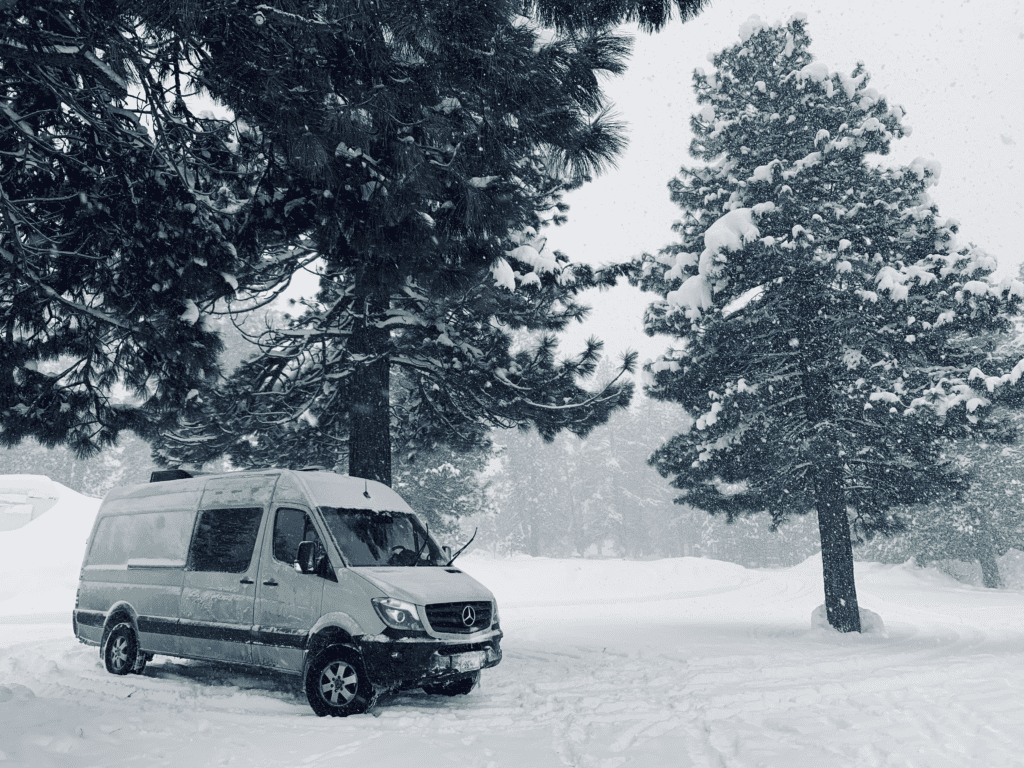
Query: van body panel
[(242, 489), (423, 586), (153, 594), (89, 626), (217, 615), (351, 596), (288, 603), (176, 495), (339, 619), (217, 606), (290, 490), (137, 552)]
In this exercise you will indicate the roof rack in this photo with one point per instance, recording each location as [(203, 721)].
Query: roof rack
[(160, 475)]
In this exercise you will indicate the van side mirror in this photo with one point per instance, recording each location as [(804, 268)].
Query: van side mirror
[(305, 558)]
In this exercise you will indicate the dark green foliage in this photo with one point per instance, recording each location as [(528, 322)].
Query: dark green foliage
[(124, 217), (115, 226), (650, 15), (418, 149), (824, 312), (444, 486)]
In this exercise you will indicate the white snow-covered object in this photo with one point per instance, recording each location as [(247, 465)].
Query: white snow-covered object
[(870, 622), (503, 275), (23, 498), (728, 233)]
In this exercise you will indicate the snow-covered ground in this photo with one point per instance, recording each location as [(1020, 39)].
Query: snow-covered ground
[(607, 663)]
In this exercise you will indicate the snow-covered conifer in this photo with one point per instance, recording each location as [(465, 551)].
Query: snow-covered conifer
[(823, 308), (420, 150)]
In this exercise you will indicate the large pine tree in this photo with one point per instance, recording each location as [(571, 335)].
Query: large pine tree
[(419, 149), (823, 309)]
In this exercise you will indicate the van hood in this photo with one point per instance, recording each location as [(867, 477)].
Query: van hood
[(425, 585)]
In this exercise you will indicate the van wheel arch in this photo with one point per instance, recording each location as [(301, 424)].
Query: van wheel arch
[(327, 637), (119, 614)]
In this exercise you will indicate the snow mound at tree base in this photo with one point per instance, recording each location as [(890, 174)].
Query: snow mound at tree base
[(870, 622)]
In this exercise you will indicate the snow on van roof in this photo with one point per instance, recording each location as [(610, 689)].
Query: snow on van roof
[(328, 489), (323, 489)]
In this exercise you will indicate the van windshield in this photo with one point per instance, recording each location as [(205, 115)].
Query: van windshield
[(369, 538)]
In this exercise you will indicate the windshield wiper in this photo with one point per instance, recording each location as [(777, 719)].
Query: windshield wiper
[(463, 547), (423, 546)]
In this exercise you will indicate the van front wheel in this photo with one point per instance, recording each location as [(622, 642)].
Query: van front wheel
[(336, 683), (121, 653)]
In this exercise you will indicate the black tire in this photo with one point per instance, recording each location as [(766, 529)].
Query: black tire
[(121, 653), (458, 687), (336, 683)]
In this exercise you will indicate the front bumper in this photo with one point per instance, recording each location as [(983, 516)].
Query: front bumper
[(409, 662)]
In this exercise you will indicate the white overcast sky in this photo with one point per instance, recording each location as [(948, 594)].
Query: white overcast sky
[(956, 67)]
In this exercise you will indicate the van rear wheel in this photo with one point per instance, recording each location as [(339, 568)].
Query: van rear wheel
[(336, 683), (121, 653)]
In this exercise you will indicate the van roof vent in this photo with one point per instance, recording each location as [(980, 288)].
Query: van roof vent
[(160, 475)]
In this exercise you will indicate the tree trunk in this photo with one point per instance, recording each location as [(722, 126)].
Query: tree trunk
[(534, 538), (830, 501), (369, 442), (836, 549), (985, 550)]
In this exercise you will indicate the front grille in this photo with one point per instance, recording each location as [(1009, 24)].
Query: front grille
[(451, 617)]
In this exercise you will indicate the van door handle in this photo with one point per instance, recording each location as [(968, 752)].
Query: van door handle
[(270, 583), (247, 580)]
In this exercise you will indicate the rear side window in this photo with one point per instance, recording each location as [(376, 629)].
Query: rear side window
[(292, 526), (224, 540), (156, 538)]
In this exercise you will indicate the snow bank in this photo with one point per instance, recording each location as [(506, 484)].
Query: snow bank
[(40, 562)]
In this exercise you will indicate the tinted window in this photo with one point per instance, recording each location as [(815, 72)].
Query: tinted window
[(292, 526), (224, 540)]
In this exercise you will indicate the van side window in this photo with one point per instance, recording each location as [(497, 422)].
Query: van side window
[(224, 540), (160, 538), (292, 526)]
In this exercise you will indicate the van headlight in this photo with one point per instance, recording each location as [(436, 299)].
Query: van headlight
[(397, 614)]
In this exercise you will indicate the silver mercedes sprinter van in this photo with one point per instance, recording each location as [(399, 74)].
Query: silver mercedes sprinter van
[(328, 577)]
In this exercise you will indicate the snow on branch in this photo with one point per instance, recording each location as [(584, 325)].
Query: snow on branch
[(729, 233)]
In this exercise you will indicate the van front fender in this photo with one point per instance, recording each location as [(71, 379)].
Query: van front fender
[(333, 628)]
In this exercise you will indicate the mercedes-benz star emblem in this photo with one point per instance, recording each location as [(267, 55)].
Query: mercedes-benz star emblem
[(468, 616)]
